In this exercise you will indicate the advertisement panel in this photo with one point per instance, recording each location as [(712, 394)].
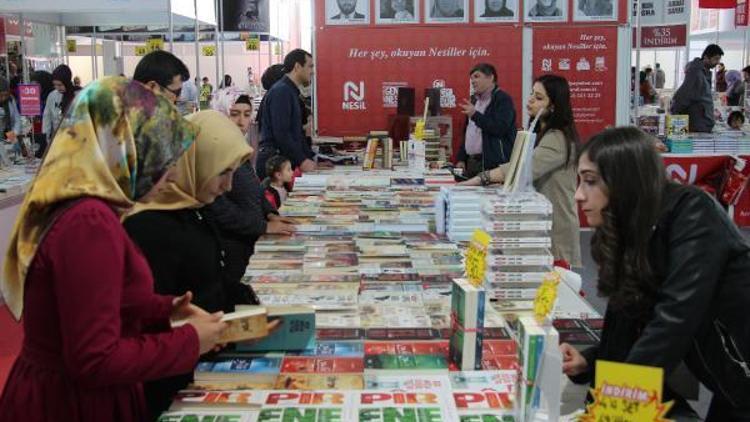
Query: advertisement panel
[(357, 85), (587, 58)]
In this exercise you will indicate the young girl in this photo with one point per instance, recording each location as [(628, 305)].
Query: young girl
[(280, 174), (553, 167), (675, 270)]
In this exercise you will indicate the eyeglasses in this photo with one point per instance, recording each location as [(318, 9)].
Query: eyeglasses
[(175, 92)]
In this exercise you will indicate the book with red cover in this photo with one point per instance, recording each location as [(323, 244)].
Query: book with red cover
[(406, 348), (322, 365)]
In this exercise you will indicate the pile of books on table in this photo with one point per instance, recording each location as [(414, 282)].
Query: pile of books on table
[(519, 255), (461, 206)]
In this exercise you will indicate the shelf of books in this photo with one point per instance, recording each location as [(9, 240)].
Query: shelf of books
[(376, 321)]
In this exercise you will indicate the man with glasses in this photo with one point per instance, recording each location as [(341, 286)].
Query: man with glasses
[(163, 73)]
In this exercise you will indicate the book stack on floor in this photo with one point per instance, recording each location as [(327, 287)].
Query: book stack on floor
[(518, 257)]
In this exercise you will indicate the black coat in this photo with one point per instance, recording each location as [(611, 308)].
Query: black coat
[(241, 218), (184, 252), (498, 125), (701, 311)]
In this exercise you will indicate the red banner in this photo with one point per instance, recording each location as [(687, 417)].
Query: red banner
[(717, 4), (587, 58), (662, 36), (30, 99), (740, 13), (357, 80)]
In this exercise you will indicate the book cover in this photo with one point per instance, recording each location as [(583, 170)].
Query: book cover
[(439, 348), (322, 365), (428, 363), (248, 399), (504, 380), (308, 406), (237, 368), (295, 332), (340, 334), (253, 383), (319, 382), (242, 325), (209, 416), (413, 382), (484, 400), (404, 406), (336, 349)]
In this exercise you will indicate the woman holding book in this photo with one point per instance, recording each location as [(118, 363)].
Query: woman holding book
[(552, 163), (243, 214), (93, 328), (675, 270), (182, 246)]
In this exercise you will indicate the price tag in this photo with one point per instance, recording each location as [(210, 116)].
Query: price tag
[(546, 295), (627, 393), (252, 44), (154, 44), (209, 50), (141, 50), (476, 257)]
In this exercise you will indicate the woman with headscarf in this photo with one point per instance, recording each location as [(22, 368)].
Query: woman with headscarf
[(735, 88), (58, 101), (243, 214), (44, 79), (93, 328), (181, 245), (10, 119)]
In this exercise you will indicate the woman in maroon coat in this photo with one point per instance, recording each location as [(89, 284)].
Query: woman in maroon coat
[(94, 330)]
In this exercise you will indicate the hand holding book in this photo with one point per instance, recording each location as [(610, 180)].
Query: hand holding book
[(209, 328), (182, 308)]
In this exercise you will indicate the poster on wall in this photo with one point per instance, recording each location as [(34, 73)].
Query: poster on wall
[(397, 11), (546, 10), (446, 11), (594, 10), (495, 11), (247, 16), (347, 12), (677, 11), (587, 58), (652, 12), (357, 86)]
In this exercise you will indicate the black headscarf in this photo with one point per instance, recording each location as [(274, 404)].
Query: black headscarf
[(63, 74), (44, 79)]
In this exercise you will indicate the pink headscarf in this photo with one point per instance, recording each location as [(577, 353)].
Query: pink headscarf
[(225, 98)]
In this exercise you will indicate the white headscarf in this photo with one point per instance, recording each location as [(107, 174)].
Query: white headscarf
[(225, 98)]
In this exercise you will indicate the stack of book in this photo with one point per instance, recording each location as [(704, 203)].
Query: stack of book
[(462, 210), (434, 153), (467, 314), (518, 258)]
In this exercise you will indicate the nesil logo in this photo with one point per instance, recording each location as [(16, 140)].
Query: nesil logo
[(354, 96)]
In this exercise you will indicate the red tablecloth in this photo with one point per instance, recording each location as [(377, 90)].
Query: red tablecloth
[(694, 168)]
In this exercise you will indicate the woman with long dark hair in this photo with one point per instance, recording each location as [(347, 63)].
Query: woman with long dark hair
[(675, 270), (58, 101), (553, 169)]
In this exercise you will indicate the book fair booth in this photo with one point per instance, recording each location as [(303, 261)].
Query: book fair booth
[(402, 296)]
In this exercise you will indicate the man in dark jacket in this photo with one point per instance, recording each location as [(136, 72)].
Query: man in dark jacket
[(694, 97), (281, 126), (490, 125)]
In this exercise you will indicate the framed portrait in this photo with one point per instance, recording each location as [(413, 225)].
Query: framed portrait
[(446, 11), (396, 11), (594, 10), (347, 12), (546, 11), (247, 16), (495, 11)]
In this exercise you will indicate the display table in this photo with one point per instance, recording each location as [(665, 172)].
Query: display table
[(14, 182), (696, 168)]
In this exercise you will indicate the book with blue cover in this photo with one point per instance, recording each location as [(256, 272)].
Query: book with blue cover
[(295, 332)]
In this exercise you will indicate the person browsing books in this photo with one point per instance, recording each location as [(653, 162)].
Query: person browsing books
[(281, 129), (552, 163), (182, 246), (490, 124), (279, 171), (243, 214), (694, 96), (94, 330), (674, 269)]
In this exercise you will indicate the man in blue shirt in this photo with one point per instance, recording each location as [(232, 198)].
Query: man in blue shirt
[(281, 121)]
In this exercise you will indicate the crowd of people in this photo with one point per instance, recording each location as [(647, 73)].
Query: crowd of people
[(164, 211)]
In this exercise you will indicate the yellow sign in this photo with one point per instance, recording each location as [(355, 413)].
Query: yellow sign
[(71, 46), (141, 50), (419, 130), (277, 49), (627, 393), (209, 50), (546, 295), (154, 44), (476, 257), (252, 44)]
